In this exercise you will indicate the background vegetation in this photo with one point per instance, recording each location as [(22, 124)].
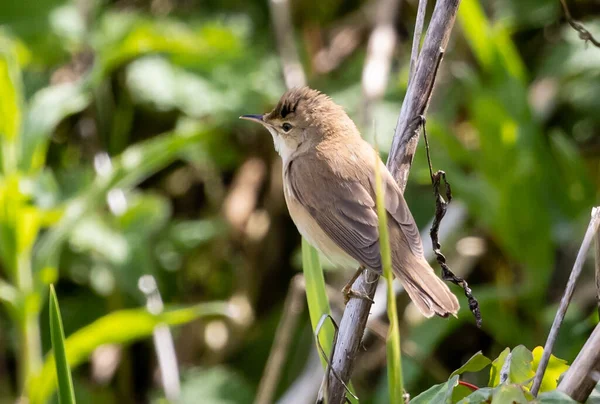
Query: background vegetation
[(122, 155)]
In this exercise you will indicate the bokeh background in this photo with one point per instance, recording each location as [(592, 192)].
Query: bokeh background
[(122, 156)]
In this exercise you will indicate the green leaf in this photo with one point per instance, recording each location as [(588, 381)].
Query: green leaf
[(480, 396), (119, 327), (318, 303), (477, 31), (133, 165), (474, 364), (516, 364), (10, 104), (216, 385), (556, 367), (316, 296), (497, 365), (554, 397), (440, 393), (509, 393), (127, 37), (460, 392), (521, 370), (46, 110), (66, 394), (394, 356)]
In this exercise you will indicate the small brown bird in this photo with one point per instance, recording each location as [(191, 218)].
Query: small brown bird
[(328, 177)]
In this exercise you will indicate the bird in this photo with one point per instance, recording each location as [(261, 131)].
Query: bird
[(329, 188)]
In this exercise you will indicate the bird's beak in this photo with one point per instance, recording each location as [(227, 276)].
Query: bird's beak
[(254, 118)]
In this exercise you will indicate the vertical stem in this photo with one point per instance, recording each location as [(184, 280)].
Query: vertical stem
[(566, 299), (30, 358), (292, 309)]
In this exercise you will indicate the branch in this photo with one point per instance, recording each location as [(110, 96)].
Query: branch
[(404, 145), (414, 53), (583, 33), (566, 299), (579, 381)]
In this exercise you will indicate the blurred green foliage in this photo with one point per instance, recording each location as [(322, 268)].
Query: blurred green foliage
[(511, 376), (121, 154)]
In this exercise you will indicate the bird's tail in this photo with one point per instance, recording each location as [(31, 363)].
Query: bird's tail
[(427, 291)]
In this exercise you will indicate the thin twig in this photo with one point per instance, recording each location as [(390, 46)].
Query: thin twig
[(404, 145), (282, 24), (292, 308), (322, 397), (566, 299), (579, 381), (441, 205), (583, 33), (414, 53)]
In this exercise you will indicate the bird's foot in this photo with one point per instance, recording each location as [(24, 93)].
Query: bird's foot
[(350, 293)]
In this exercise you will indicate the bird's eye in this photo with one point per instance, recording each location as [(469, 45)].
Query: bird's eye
[(286, 127)]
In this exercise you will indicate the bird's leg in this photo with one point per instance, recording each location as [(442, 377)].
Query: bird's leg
[(349, 292)]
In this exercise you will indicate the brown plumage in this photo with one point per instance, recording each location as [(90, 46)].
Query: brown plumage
[(330, 192)]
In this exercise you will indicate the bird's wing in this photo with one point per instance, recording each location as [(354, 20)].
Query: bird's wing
[(396, 206), (345, 209)]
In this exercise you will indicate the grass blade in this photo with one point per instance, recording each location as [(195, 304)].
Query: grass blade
[(66, 394), (318, 302), (119, 327), (316, 296), (394, 364)]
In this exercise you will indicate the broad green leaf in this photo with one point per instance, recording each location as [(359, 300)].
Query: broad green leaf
[(521, 370), (496, 368), (474, 364), (554, 397), (440, 393), (509, 393), (394, 356), (521, 365), (480, 396), (120, 327), (517, 364), (556, 367), (66, 394), (460, 392), (133, 165)]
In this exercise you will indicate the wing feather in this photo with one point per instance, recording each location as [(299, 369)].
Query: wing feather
[(345, 208)]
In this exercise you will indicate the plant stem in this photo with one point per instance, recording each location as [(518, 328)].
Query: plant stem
[(30, 356)]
